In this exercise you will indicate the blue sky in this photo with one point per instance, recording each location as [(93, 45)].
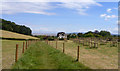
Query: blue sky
[(55, 17)]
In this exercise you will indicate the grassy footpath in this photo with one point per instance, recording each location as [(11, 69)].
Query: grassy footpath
[(43, 56)]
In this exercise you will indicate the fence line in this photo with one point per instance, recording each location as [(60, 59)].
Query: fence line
[(28, 43)]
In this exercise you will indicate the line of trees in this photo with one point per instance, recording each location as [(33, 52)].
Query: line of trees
[(11, 26), (96, 33)]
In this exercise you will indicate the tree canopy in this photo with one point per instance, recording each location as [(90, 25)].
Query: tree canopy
[(96, 33), (11, 26)]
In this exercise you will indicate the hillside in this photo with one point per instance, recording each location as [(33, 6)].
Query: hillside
[(8, 34), (13, 27)]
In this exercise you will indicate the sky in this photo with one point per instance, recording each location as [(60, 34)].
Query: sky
[(53, 17)]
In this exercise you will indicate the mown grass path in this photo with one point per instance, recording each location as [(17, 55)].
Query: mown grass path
[(42, 56)]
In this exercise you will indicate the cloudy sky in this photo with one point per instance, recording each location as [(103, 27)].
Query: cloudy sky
[(53, 17)]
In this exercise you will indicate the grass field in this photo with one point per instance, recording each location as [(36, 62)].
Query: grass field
[(8, 52), (43, 56), (38, 56), (8, 34), (105, 57)]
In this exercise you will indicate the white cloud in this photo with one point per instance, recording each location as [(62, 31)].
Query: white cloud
[(103, 15), (29, 7), (109, 10), (33, 6), (107, 17), (80, 7)]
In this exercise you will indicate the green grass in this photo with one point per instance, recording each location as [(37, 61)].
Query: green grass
[(43, 56), (104, 57), (8, 52), (13, 35)]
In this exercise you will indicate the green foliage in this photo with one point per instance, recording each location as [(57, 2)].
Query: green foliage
[(11, 26), (105, 33), (68, 36), (61, 38), (40, 36), (51, 38), (0, 25), (96, 33), (88, 35), (73, 35), (80, 34)]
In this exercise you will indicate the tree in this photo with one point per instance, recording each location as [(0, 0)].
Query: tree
[(105, 33), (73, 35), (89, 32), (89, 35), (96, 32), (97, 35), (79, 34), (11, 26), (68, 36)]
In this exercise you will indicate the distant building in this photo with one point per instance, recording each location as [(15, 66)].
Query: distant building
[(61, 35)]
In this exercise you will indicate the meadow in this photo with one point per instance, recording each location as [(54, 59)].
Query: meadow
[(103, 57), (40, 55), (8, 34), (8, 52)]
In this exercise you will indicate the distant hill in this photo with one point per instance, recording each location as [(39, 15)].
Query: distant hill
[(8, 34), (11, 26)]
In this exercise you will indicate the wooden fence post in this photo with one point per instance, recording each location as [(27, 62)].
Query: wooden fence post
[(78, 53), (23, 47), (26, 44), (16, 53), (63, 48)]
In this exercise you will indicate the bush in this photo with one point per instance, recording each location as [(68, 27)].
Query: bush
[(61, 38), (51, 38)]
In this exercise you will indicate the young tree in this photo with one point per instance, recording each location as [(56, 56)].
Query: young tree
[(80, 34)]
